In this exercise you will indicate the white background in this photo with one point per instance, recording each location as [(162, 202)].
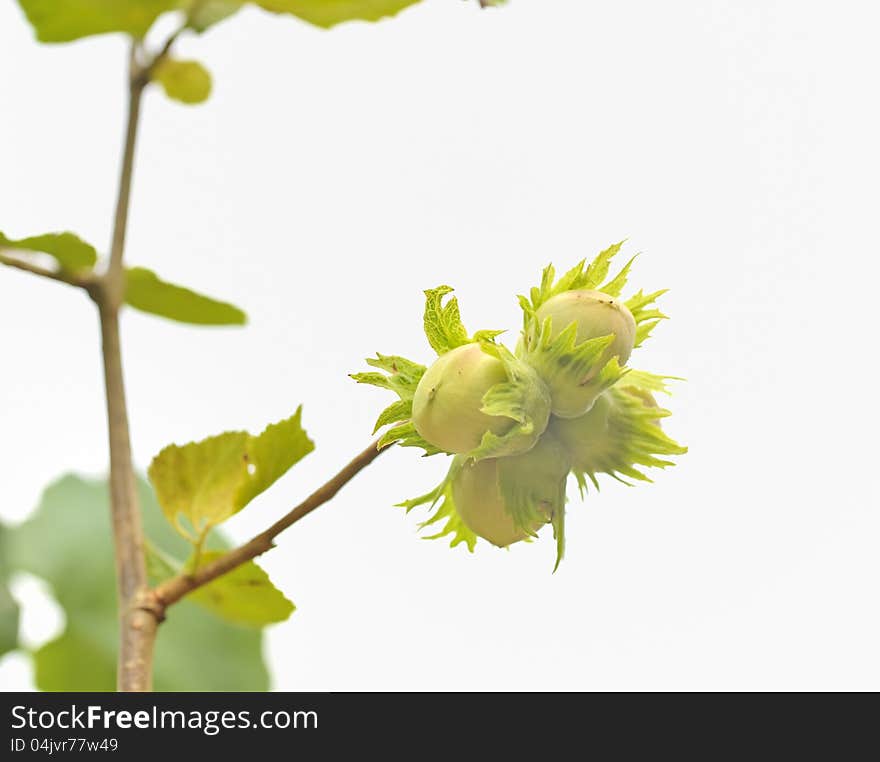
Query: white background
[(334, 175)]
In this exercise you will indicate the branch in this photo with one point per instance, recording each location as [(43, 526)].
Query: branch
[(174, 589), (137, 627), (71, 279)]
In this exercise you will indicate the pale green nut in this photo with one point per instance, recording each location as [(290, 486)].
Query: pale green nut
[(505, 500), (447, 406), (596, 315)]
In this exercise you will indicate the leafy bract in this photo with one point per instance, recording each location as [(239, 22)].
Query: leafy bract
[(401, 376), (146, 292), (69, 251), (185, 81), (523, 397), (532, 487), (67, 542), (206, 482), (66, 20), (441, 504), (631, 438)]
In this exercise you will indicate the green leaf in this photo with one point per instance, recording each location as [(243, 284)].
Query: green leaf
[(443, 325), (185, 81), (206, 482), (146, 292), (272, 454), (8, 606), (328, 13), (68, 543), (66, 20), (204, 15), (245, 595), (70, 252)]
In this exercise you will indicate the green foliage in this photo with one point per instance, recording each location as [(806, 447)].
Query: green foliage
[(328, 13), (146, 292), (443, 325), (67, 542), (206, 482), (185, 81), (66, 20), (245, 595), (69, 251), (8, 606)]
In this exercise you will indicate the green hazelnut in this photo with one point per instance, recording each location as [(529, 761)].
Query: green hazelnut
[(505, 500), (596, 314), (447, 406)]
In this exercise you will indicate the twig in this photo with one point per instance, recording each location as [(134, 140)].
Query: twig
[(62, 276), (137, 626), (174, 589)]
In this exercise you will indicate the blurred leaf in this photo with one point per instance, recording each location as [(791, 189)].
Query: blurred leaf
[(66, 20), (211, 480), (146, 292), (327, 13), (8, 606), (67, 542), (185, 81), (245, 595), (205, 14), (70, 251)]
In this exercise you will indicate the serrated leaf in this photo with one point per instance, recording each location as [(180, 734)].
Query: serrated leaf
[(69, 250), (201, 481), (443, 325), (67, 542), (245, 595), (206, 482), (185, 81), (272, 454), (146, 292), (66, 20), (328, 13)]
